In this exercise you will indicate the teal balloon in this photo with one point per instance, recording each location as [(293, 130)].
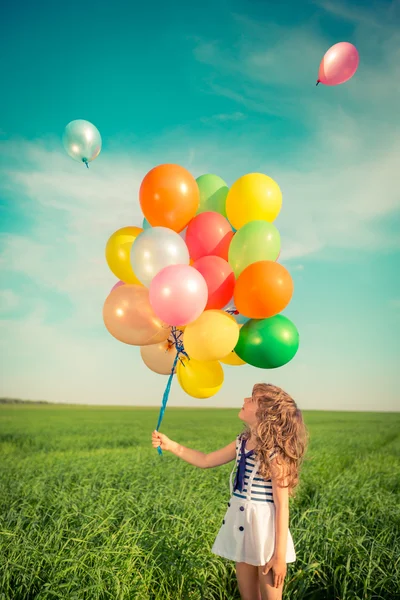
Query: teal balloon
[(82, 141), (255, 241), (213, 192), (268, 343), (146, 224)]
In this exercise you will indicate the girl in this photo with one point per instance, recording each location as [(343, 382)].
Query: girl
[(269, 451)]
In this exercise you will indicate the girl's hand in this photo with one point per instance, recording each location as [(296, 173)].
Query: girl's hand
[(159, 439), (278, 566)]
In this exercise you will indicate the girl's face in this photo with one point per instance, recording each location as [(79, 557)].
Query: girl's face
[(248, 411)]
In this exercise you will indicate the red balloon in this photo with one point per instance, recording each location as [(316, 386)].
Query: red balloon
[(219, 278), (209, 234)]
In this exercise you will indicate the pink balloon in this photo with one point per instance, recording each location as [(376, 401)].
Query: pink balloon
[(219, 278), (339, 64), (117, 285), (209, 234), (179, 293)]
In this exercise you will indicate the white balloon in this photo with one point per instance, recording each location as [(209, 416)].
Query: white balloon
[(157, 248), (82, 141), (146, 225)]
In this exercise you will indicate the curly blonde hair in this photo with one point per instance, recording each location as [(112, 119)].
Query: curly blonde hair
[(280, 428)]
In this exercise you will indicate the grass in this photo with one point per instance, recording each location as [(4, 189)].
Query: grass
[(89, 510)]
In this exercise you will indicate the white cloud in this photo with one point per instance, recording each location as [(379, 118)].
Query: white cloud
[(336, 200), (362, 16), (343, 206), (52, 362), (272, 69), (224, 117), (73, 212), (342, 187), (8, 300)]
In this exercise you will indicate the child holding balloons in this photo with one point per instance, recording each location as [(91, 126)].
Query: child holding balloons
[(269, 451)]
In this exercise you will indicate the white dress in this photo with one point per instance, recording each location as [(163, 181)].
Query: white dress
[(247, 533)]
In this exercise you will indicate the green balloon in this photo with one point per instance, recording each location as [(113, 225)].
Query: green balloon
[(255, 241), (268, 343), (213, 193)]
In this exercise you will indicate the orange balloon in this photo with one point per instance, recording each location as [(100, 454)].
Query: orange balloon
[(160, 357), (169, 197), (129, 317), (263, 289)]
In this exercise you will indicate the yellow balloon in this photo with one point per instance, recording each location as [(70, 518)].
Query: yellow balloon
[(118, 253), (232, 358), (200, 379), (212, 336), (253, 197)]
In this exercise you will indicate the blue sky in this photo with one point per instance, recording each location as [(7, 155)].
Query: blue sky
[(226, 89)]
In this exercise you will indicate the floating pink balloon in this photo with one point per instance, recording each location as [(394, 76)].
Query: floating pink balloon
[(219, 278), (179, 293), (209, 234), (339, 64)]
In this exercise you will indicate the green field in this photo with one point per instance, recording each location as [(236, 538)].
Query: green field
[(90, 510)]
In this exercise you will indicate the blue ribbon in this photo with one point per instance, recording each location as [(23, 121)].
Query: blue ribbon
[(177, 342), (241, 470)]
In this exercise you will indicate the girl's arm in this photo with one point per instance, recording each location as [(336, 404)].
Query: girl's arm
[(195, 457), (281, 501), (281, 531), (202, 460)]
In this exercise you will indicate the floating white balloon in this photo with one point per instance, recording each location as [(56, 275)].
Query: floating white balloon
[(82, 141)]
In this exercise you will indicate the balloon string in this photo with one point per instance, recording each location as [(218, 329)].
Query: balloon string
[(177, 342), (317, 82), (86, 162)]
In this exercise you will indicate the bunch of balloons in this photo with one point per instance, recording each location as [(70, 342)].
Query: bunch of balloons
[(200, 285)]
